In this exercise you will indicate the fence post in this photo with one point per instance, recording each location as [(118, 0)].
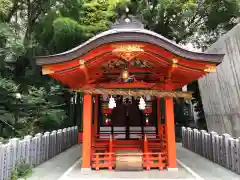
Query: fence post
[(226, 148), (69, 137), (183, 136), (234, 154), (64, 132), (189, 138), (231, 153), (59, 140), (39, 149), (202, 132), (217, 141), (34, 151), (47, 146), (220, 140), (195, 140), (28, 149), (211, 144), (15, 144), (214, 146), (53, 144), (199, 141), (7, 159), (76, 134), (238, 156), (1, 160)]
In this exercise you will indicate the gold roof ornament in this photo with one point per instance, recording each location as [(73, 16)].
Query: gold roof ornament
[(46, 71), (211, 68), (82, 63), (127, 51), (128, 48), (175, 63)]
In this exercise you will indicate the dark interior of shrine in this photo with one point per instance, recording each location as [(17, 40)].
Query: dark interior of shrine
[(135, 116)]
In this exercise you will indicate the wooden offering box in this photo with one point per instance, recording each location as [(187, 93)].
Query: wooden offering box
[(129, 161)]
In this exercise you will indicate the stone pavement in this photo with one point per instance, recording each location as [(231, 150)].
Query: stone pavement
[(67, 166), (55, 167), (105, 174), (203, 167)]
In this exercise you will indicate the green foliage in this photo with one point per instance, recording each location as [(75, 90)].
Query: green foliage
[(39, 109), (96, 17), (22, 170), (67, 34), (71, 8), (5, 6), (11, 45), (189, 20)]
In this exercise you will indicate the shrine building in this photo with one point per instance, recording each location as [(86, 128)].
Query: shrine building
[(124, 73)]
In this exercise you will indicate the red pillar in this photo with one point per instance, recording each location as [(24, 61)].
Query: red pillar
[(87, 123), (170, 134), (159, 116), (95, 126)]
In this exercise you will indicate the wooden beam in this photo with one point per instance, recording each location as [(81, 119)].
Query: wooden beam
[(161, 94), (112, 85)]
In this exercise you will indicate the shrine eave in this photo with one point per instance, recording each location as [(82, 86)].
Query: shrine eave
[(127, 35)]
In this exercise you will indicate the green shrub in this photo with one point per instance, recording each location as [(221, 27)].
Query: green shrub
[(22, 170)]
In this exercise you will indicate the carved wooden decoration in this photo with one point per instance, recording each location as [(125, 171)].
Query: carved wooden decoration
[(127, 51)]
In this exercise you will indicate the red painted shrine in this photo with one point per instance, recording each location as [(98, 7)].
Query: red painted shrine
[(126, 71)]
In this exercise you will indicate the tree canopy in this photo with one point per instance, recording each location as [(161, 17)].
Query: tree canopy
[(36, 27)]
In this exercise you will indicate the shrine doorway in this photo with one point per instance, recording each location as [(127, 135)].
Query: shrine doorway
[(128, 121)]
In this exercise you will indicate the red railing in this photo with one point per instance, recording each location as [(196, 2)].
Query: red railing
[(106, 159), (154, 160), (103, 160), (151, 159)]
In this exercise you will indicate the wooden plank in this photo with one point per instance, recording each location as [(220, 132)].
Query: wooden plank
[(129, 161)]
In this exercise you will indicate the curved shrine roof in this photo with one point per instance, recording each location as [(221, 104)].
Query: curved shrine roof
[(127, 32), (154, 62)]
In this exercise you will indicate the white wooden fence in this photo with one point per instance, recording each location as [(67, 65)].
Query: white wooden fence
[(35, 150), (221, 149)]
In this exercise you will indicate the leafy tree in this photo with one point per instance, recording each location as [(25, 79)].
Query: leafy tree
[(67, 34), (38, 109), (196, 21), (199, 22), (29, 28), (97, 17)]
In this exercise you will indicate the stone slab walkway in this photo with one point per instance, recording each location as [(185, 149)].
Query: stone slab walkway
[(76, 173), (67, 166), (203, 167), (55, 167)]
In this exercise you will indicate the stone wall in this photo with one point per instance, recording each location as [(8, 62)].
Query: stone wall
[(220, 91)]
